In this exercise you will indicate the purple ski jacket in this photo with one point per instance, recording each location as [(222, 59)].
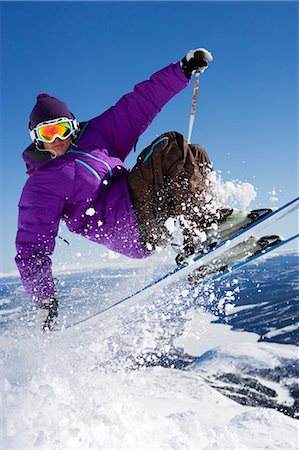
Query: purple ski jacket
[(87, 187)]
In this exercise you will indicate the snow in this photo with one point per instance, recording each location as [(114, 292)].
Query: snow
[(200, 336), (75, 389), (273, 196), (170, 225), (283, 330), (149, 409), (90, 212), (60, 400), (239, 194)]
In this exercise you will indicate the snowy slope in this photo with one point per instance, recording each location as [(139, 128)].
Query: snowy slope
[(101, 385)]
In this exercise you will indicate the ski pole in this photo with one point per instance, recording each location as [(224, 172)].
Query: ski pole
[(193, 106)]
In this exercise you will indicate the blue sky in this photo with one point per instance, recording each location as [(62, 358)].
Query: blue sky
[(91, 53)]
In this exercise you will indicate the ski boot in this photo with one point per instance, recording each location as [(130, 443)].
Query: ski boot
[(229, 223), (251, 247)]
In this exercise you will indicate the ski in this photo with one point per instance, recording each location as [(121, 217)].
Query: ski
[(229, 224), (230, 269), (202, 259), (252, 246), (239, 264)]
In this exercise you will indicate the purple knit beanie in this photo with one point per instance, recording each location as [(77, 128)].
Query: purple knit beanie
[(48, 108)]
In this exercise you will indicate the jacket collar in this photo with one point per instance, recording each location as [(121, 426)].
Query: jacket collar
[(34, 158)]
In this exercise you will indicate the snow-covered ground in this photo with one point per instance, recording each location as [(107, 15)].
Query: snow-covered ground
[(215, 370)]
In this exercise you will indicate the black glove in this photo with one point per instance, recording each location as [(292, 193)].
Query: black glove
[(195, 61), (47, 314)]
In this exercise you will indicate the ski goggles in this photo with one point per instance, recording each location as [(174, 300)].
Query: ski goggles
[(48, 131)]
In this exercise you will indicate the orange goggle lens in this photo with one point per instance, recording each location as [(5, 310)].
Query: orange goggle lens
[(47, 133)]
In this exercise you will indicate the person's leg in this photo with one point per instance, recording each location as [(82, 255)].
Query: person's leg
[(169, 180)]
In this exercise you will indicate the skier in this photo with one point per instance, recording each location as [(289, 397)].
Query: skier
[(77, 174)]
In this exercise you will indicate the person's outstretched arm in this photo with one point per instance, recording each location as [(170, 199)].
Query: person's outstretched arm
[(122, 124)]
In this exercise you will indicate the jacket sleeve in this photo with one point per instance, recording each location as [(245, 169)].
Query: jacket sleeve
[(40, 210), (122, 124)]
